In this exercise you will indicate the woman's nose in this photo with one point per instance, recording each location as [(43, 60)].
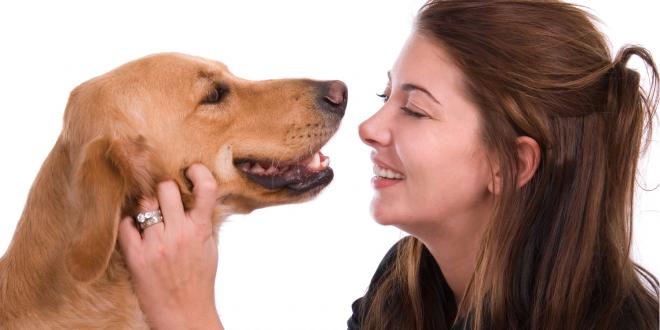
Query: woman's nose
[(375, 130)]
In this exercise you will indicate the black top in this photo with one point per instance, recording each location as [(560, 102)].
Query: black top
[(433, 286)]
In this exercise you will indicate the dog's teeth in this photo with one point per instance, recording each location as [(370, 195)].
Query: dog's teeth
[(315, 162), (245, 167), (325, 163), (257, 169), (271, 170)]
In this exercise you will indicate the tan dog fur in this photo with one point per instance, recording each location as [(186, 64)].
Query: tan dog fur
[(124, 132)]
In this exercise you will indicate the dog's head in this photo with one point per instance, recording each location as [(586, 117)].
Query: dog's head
[(150, 119)]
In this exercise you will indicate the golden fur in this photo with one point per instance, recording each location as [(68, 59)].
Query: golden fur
[(123, 132)]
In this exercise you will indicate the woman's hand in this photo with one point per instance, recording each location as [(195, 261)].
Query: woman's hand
[(174, 263)]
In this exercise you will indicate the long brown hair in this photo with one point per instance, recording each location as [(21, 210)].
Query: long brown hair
[(556, 254)]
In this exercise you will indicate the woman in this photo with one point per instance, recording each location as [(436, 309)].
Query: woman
[(507, 147)]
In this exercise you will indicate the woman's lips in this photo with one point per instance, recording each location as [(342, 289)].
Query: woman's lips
[(385, 177), (380, 182)]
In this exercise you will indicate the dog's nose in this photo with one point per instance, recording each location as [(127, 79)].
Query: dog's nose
[(333, 97)]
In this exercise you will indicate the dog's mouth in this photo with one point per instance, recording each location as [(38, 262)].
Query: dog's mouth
[(297, 176)]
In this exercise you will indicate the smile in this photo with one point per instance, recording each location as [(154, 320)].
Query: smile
[(387, 173)]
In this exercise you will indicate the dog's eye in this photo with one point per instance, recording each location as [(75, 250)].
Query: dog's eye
[(216, 94)]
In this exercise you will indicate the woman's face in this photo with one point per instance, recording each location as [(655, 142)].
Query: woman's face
[(430, 164)]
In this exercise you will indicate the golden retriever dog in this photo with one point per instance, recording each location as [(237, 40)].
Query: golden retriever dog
[(129, 129)]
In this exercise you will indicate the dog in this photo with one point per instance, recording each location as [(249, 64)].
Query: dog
[(123, 132)]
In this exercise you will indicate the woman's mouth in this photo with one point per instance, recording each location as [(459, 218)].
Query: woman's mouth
[(387, 173), (385, 177)]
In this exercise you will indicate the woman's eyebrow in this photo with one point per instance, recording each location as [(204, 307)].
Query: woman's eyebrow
[(410, 87)]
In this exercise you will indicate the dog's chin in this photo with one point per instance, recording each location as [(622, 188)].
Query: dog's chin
[(244, 201), (306, 176)]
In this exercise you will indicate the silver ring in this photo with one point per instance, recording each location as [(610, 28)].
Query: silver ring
[(147, 219)]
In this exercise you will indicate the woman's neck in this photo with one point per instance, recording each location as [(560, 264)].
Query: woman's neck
[(456, 259), (454, 244)]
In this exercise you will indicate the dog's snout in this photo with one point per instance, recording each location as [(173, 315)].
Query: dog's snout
[(333, 97), (336, 92)]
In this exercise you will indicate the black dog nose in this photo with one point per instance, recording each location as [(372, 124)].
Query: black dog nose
[(333, 97)]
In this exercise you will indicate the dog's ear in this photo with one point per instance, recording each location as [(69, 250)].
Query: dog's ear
[(110, 172)]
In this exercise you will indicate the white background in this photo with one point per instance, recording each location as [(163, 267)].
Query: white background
[(289, 267)]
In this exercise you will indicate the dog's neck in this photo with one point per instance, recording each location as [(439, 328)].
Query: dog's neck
[(33, 279)]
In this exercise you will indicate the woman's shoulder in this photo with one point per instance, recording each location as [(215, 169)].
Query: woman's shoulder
[(428, 266), (388, 261), (360, 306)]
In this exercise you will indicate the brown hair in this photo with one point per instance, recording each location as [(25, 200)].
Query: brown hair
[(557, 252)]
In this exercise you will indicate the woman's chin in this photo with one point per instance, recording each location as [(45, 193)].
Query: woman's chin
[(387, 214), (383, 214), (391, 207)]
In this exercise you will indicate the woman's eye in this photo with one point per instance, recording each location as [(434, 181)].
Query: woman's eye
[(383, 96), (412, 113), (215, 95)]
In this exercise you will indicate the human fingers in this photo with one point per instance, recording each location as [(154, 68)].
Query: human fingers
[(205, 190), (129, 238), (171, 206), (154, 231)]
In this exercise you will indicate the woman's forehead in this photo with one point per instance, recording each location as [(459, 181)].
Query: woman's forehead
[(425, 61), (427, 65)]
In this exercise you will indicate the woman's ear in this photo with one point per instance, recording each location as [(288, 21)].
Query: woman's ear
[(495, 184), (529, 157)]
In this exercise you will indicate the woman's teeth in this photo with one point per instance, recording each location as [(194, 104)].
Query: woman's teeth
[(388, 174)]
